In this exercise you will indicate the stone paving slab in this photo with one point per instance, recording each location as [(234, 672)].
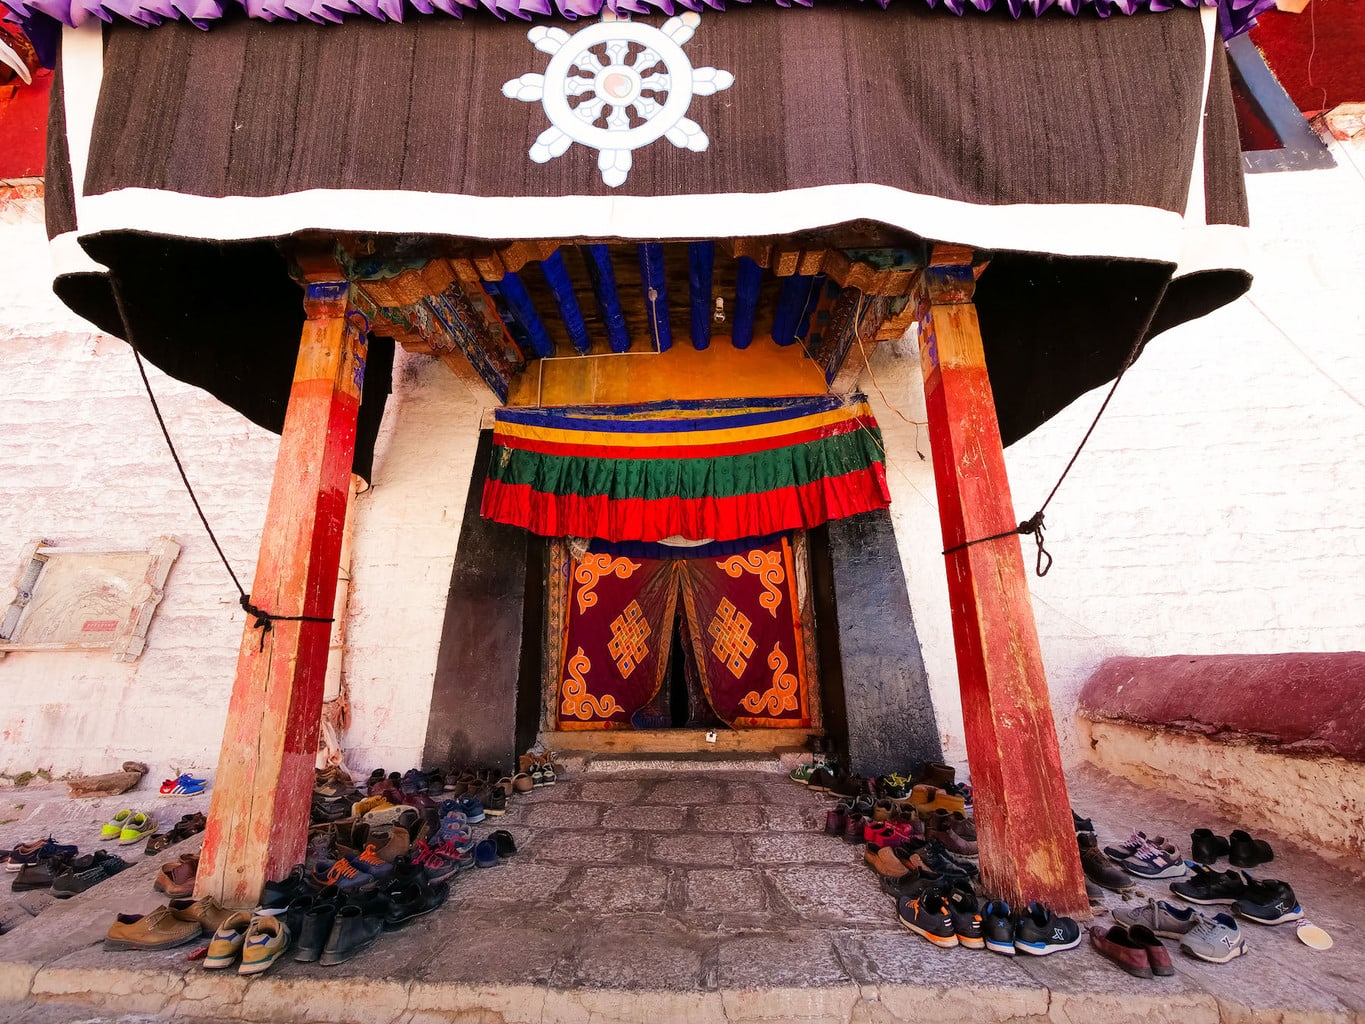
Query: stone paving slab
[(665, 897)]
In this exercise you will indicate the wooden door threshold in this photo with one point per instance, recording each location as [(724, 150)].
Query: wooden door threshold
[(679, 741)]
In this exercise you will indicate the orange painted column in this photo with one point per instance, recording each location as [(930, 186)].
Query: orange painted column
[(262, 791), (1023, 815)]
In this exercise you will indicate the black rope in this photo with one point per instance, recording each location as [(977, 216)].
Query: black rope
[(264, 620), (1034, 524)]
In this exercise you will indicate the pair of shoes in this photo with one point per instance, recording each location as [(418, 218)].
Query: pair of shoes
[(84, 872), (128, 827), (952, 841), (942, 820), (947, 915), (1135, 950), (1100, 869), (188, 825), (1263, 900), (1241, 850), (174, 924), (542, 775), (183, 785), (1216, 939), (41, 849), (42, 872), (252, 941), (926, 799), (176, 879)]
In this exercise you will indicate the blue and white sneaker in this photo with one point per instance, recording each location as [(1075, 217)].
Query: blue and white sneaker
[(472, 808)]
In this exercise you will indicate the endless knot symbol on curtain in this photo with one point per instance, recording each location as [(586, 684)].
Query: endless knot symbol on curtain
[(733, 644), (767, 566), (629, 631)]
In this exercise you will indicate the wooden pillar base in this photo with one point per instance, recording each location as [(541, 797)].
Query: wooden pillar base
[(1023, 815), (258, 815)]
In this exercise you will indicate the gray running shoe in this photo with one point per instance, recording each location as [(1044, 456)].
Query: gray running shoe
[(1215, 939), (1162, 918)]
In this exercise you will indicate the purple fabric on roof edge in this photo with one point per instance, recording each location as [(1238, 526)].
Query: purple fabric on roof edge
[(41, 20)]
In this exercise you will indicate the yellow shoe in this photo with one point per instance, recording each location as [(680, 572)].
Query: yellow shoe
[(226, 944), (370, 803), (934, 799)]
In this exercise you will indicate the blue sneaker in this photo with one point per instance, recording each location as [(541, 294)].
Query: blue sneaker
[(472, 808)]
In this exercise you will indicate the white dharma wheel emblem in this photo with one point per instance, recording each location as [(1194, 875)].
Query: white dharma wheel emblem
[(616, 86)]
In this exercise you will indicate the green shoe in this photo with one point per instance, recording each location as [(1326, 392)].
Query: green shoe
[(136, 828), (113, 828), (801, 773)]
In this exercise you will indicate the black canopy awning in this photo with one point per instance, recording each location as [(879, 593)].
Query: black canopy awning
[(1096, 159)]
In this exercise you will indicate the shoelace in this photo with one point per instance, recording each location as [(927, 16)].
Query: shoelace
[(371, 855), (341, 869)]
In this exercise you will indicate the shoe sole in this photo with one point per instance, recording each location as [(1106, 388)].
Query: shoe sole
[(1293, 915), (942, 941), (122, 944), (141, 837), (259, 966), (1044, 948), (332, 961), (1001, 948), (217, 963), (971, 942), (494, 814), (1173, 871), (1236, 951), (1220, 901)]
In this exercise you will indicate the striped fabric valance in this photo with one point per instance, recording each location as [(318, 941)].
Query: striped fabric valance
[(699, 471)]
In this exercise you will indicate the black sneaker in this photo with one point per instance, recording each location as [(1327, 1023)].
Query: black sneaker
[(1208, 887), (1268, 901), (938, 858), (928, 915), (1041, 932), (1080, 824), (84, 872), (913, 883), (964, 910), (278, 895), (997, 928)]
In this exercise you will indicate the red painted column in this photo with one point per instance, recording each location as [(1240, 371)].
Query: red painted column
[(1023, 816), (258, 814)]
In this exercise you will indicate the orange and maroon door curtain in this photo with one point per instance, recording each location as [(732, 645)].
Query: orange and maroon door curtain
[(742, 619)]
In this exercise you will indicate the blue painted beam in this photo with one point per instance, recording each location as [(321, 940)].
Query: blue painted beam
[(701, 258), (557, 277), (523, 311), (794, 305), (656, 294), (748, 280), (603, 277)]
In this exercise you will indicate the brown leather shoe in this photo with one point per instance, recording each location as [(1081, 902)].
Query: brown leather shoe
[(1118, 945), (939, 775), (952, 842), (952, 821), (208, 913), (177, 878), (884, 861), (161, 929), (391, 843)]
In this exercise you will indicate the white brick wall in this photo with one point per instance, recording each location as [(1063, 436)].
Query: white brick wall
[(1220, 506)]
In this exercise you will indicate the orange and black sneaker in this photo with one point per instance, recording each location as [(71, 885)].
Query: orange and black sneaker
[(927, 915)]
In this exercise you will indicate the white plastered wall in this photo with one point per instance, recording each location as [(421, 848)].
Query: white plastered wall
[(1219, 508)]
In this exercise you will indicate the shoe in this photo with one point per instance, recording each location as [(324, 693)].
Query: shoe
[(136, 829), (855, 830), (936, 774), (1117, 945), (184, 785), (801, 774), (344, 875), (84, 872), (522, 783), (848, 785), (472, 808), (113, 828), (504, 843), (226, 945), (1136, 841), (819, 779), (315, 929), (41, 874), (1208, 887), (495, 804), (953, 843), (486, 854), (967, 923), (1100, 869), (1156, 862), (939, 859), (435, 865), (278, 895), (997, 928), (883, 860), (1206, 848), (1246, 852), (927, 799), (31, 853), (952, 821), (188, 825), (371, 863), (266, 941), (353, 931), (412, 900), (161, 929), (208, 913), (836, 821), (1268, 901), (1040, 932), (1215, 939), (1158, 958), (1160, 917), (928, 915), (176, 879), (1081, 824)]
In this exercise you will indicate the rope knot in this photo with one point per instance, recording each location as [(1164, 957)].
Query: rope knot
[(1035, 527)]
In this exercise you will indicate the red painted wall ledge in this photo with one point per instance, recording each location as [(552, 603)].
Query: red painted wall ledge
[(1305, 704)]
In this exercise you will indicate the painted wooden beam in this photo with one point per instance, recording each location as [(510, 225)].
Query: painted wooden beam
[(523, 311), (656, 294), (748, 281), (597, 259), (701, 258), (795, 303), (262, 793), (557, 277), (1028, 845)]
